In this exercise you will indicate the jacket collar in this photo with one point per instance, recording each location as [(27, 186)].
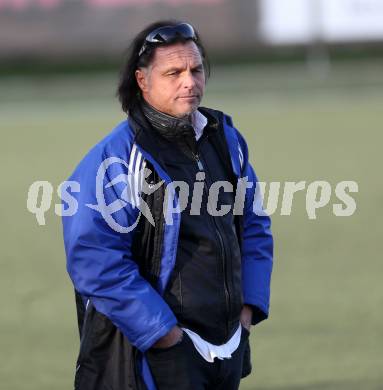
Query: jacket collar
[(145, 133), (171, 127), (168, 126)]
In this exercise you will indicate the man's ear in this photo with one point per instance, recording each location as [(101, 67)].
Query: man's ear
[(142, 79)]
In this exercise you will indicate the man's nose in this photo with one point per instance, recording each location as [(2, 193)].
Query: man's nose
[(189, 80)]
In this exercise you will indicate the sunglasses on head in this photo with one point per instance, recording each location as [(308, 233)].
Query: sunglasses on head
[(168, 34)]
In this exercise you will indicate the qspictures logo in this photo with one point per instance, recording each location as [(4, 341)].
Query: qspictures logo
[(110, 199)]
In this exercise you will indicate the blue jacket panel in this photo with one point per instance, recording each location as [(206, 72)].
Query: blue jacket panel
[(99, 258), (257, 247), (257, 244)]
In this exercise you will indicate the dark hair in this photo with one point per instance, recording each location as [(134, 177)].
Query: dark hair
[(128, 91)]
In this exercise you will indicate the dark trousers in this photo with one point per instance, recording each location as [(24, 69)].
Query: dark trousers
[(181, 367)]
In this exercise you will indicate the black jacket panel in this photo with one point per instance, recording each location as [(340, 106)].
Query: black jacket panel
[(106, 359), (204, 290)]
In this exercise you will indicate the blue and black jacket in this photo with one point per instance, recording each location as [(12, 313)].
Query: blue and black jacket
[(120, 289)]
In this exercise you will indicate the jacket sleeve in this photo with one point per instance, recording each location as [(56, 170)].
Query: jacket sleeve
[(100, 262), (257, 245)]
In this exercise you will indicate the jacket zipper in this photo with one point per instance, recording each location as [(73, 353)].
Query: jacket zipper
[(222, 247), (159, 229)]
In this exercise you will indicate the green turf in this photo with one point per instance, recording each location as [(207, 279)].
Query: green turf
[(325, 329)]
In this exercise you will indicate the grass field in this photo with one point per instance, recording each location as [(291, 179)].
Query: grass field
[(325, 329)]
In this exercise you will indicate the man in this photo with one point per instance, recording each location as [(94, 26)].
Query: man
[(169, 270)]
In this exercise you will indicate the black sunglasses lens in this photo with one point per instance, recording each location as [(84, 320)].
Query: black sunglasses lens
[(168, 33)]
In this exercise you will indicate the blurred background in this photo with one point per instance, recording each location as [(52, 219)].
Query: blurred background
[(303, 82)]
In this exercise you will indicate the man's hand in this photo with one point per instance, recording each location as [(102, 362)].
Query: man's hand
[(170, 339), (245, 317)]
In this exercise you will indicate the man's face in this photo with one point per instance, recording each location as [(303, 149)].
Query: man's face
[(174, 82)]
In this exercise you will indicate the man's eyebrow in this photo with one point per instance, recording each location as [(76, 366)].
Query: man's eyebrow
[(175, 68), (172, 69)]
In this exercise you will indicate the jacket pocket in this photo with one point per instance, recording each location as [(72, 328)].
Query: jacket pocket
[(106, 361), (173, 293), (87, 376), (160, 351)]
